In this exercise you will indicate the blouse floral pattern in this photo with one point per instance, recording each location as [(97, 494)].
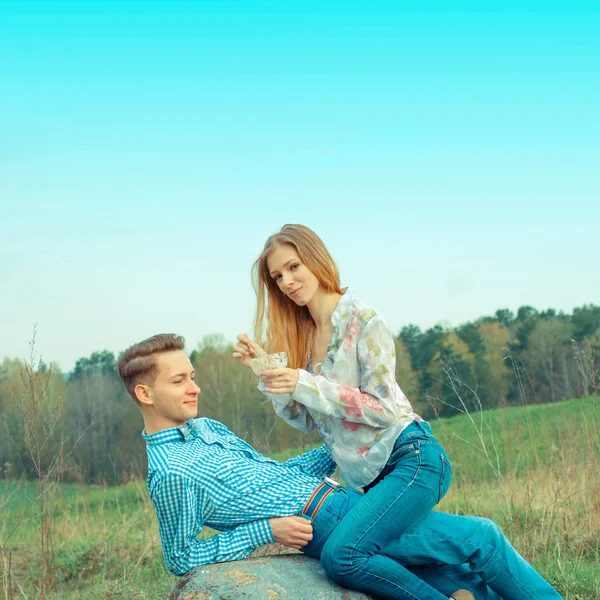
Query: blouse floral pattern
[(354, 401)]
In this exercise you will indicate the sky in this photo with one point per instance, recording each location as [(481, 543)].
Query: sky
[(448, 154)]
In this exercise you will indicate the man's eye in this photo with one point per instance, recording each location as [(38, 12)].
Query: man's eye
[(177, 381)]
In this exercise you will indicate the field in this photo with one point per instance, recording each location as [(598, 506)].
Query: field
[(534, 470)]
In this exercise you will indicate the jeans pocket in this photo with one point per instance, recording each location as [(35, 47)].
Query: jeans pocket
[(337, 507), (325, 522), (401, 452)]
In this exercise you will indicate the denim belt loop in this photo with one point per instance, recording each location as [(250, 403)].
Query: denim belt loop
[(425, 428)]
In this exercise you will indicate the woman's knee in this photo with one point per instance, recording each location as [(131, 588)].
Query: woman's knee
[(492, 529), (493, 537)]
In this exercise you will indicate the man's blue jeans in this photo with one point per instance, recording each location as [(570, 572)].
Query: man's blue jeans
[(446, 551)]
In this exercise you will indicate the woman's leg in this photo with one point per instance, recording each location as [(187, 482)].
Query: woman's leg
[(479, 542), (446, 579), (353, 556)]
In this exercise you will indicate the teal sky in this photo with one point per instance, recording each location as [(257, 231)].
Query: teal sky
[(448, 155)]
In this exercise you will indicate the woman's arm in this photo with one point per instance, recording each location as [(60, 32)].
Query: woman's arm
[(372, 403), (292, 412)]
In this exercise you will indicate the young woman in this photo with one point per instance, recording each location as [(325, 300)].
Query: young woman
[(341, 379)]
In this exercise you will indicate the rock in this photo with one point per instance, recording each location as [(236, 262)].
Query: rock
[(285, 577)]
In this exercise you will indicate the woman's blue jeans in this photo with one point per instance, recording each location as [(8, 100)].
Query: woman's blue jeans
[(415, 478), (366, 541), (446, 551)]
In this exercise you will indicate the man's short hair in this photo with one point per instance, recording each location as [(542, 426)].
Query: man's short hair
[(138, 363)]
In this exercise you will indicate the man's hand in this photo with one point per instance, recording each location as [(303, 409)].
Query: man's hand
[(293, 532), (280, 381), (246, 349)]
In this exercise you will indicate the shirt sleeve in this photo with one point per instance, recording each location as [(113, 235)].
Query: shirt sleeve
[(179, 504), (316, 462), (373, 402), (292, 412)]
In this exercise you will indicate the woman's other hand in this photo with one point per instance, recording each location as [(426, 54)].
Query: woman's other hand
[(280, 381)]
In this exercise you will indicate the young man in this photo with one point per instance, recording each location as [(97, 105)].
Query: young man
[(200, 473)]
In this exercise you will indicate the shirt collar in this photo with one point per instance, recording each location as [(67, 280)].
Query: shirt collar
[(184, 432), (343, 304)]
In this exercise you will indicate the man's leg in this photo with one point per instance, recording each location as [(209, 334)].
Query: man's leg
[(446, 579), (441, 538)]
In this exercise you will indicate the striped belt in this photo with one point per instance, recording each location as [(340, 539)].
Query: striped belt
[(317, 498)]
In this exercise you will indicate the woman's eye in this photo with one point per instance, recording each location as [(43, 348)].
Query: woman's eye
[(177, 381), (294, 267), (277, 277)]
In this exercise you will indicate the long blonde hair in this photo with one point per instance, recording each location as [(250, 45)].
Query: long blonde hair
[(289, 327)]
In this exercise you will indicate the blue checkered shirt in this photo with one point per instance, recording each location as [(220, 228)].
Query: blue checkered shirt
[(201, 474)]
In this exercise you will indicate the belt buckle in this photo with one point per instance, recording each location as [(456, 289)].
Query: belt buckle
[(330, 481)]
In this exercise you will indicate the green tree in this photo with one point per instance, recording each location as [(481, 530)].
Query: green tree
[(504, 317), (495, 339), (549, 358), (98, 363), (471, 335), (586, 321), (407, 378), (452, 382)]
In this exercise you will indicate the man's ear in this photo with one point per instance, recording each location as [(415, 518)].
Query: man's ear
[(142, 393)]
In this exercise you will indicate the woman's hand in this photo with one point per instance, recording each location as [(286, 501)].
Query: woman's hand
[(280, 381), (245, 349)]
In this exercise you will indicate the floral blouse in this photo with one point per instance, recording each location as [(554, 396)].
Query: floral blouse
[(354, 401)]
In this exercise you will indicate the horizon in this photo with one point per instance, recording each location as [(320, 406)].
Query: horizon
[(189, 348)]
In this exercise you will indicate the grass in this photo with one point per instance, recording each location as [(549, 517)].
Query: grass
[(536, 472), (105, 540), (522, 440), (533, 470)]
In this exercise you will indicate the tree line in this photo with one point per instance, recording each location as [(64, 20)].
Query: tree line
[(507, 359)]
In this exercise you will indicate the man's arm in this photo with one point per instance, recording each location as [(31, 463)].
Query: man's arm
[(179, 504), (317, 462)]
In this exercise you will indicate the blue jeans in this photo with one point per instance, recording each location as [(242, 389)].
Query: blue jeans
[(415, 478), (443, 578), (446, 552)]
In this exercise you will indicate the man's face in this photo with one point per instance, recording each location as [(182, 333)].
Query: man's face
[(174, 394)]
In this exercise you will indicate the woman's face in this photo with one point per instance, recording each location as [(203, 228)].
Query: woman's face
[(291, 276)]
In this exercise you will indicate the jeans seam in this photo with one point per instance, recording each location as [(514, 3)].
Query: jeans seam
[(455, 581), (391, 583), (443, 473)]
